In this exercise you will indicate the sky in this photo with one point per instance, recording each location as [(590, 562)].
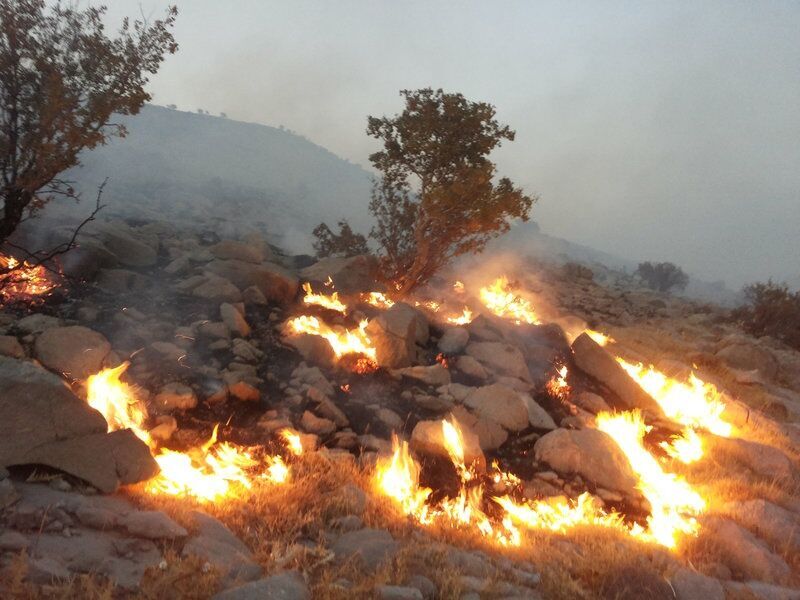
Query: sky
[(650, 130)]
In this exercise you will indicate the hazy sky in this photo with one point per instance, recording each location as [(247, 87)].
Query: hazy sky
[(652, 130)]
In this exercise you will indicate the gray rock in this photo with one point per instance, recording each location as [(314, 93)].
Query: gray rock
[(472, 368), (215, 543), (13, 541), (498, 403), (398, 592), (234, 320), (371, 546), (37, 323), (689, 585), (500, 359), (236, 250), (284, 586), (592, 359), (121, 241), (490, 435), (42, 422), (395, 333), (314, 424), (591, 454), (276, 283), (8, 493), (350, 275), (45, 571), (75, 351), (454, 340), (768, 521), (434, 375), (593, 403), (747, 356), (10, 346), (121, 281), (760, 458), (215, 289), (537, 416), (152, 524), (756, 590), (744, 553), (175, 396)]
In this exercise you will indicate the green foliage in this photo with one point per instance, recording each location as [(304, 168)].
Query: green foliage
[(437, 197), (345, 243), (771, 309), (61, 79), (663, 276)]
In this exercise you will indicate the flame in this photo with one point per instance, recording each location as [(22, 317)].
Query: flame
[(557, 386), (601, 339), (431, 305), (331, 302), (22, 281), (695, 404), (207, 473), (465, 318), (342, 341), (292, 439), (559, 514), (503, 302), (458, 287), (378, 300), (686, 447), (674, 504)]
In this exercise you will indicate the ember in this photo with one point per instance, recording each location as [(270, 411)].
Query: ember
[(24, 282), (557, 386), (377, 299)]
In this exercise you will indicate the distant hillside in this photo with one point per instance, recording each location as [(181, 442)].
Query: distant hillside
[(241, 171)]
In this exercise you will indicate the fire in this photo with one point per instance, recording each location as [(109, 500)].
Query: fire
[(292, 440), (377, 299), (458, 287), (674, 504), (558, 387), (559, 514), (208, 472), (465, 318), (342, 341), (23, 281), (601, 339), (331, 301), (686, 447), (431, 305), (695, 404), (503, 302)]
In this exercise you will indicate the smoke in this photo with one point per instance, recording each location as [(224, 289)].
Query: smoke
[(652, 131)]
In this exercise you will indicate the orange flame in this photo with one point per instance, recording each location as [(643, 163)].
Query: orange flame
[(342, 341), (23, 281), (378, 300), (503, 302), (601, 339), (331, 301), (465, 318)]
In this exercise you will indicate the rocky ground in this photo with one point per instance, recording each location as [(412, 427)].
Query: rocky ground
[(205, 324)]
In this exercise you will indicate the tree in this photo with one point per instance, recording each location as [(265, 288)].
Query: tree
[(662, 276), (437, 197), (61, 80), (345, 243), (771, 309)]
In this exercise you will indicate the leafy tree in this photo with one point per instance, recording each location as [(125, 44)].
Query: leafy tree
[(437, 197), (61, 79), (662, 276), (771, 309), (345, 243)]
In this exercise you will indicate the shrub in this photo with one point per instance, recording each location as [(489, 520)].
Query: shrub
[(771, 309), (662, 276), (345, 243)]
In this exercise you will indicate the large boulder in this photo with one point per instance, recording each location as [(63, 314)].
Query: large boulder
[(500, 404), (75, 351), (283, 586), (592, 359), (236, 250), (500, 358), (43, 422), (395, 333), (591, 454), (769, 521), (122, 242), (276, 283), (350, 275), (747, 356), (764, 460)]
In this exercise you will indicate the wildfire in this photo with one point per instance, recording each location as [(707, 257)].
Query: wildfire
[(292, 440), (342, 341), (465, 318), (557, 386), (431, 305), (458, 287), (377, 299), (601, 339), (23, 281), (674, 504), (331, 301), (503, 302), (695, 404), (208, 472)]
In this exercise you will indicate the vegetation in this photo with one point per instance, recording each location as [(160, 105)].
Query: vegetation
[(437, 197), (771, 309), (574, 270), (663, 276), (344, 243), (61, 80)]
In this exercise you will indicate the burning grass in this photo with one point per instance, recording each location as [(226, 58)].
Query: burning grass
[(22, 282)]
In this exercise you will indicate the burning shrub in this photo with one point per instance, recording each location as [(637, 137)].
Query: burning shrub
[(345, 243), (662, 276), (771, 309)]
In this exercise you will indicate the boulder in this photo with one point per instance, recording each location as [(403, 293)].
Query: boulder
[(371, 547), (129, 250), (37, 323), (235, 321), (690, 585), (746, 356), (454, 340), (175, 396), (770, 522), (434, 375), (500, 359), (351, 275), (471, 368), (216, 289), (10, 346), (490, 435), (394, 334), (592, 359), (744, 553), (284, 586), (764, 460), (501, 404), (591, 454), (276, 283), (428, 438), (43, 422), (121, 281), (75, 351), (236, 250)]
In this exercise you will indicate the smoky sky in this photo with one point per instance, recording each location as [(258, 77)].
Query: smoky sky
[(650, 130)]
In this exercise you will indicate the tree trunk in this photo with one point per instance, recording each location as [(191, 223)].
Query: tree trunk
[(15, 202)]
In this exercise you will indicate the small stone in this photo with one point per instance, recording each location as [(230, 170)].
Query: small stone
[(13, 541), (398, 592), (234, 320), (10, 346), (152, 524), (176, 396), (453, 340), (314, 424), (371, 546), (245, 392), (689, 585)]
